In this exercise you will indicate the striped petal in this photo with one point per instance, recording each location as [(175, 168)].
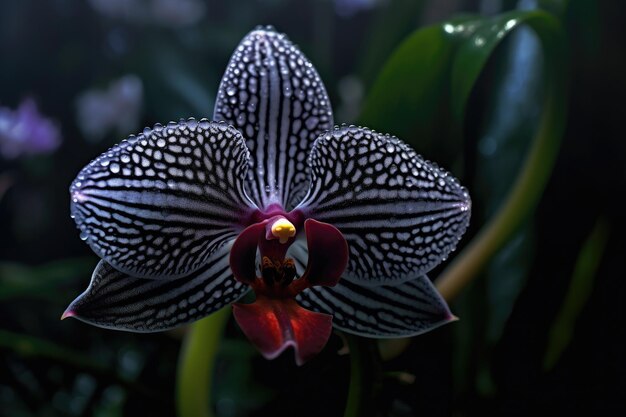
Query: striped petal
[(407, 309), (274, 96), (118, 301), (159, 204), (401, 215)]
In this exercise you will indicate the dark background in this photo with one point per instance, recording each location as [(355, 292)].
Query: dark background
[(492, 362)]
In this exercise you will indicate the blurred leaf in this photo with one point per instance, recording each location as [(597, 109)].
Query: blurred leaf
[(433, 73), (394, 22), (513, 113), (17, 280), (480, 38), (578, 293), (408, 93)]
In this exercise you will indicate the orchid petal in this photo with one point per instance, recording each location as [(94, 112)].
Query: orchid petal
[(159, 204), (243, 254), (273, 95), (118, 301), (400, 214), (407, 309), (273, 325), (328, 253)]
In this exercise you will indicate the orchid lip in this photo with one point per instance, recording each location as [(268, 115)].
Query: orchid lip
[(275, 321)]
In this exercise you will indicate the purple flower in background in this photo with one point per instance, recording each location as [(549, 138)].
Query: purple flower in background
[(329, 227), (25, 131), (348, 8), (117, 108)]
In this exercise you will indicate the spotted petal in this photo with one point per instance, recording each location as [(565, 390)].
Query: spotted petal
[(274, 96), (407, 309), (118, 301), (400, 214), (159, 204)]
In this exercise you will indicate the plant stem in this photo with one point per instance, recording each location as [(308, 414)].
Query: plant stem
[(365, 377), (196, 365)]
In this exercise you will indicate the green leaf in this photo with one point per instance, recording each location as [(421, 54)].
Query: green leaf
[(481, 37), (17, 280), (407, 97), (577, 294)]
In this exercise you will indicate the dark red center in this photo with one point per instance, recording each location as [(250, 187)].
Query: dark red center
[(275, 321)]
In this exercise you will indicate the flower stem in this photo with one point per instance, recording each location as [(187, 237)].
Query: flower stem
[(196, 364), (365, 377)]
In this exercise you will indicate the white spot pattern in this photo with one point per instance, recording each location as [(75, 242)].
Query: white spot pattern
[(151, 211), (400, 214), (274, 96)]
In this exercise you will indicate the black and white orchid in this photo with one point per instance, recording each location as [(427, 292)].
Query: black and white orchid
[(328, 226)]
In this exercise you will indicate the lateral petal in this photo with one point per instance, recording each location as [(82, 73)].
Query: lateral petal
[(401, 215), (159, 204)]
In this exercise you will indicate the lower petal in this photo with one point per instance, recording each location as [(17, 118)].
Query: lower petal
[(273, 325), (118, 301), (408, 309)]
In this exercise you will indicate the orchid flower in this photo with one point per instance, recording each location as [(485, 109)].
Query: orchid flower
[(328, 226)]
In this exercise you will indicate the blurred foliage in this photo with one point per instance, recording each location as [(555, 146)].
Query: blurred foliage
[(540, 330)]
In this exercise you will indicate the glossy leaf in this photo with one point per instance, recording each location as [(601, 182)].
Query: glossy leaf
[(407, 98)]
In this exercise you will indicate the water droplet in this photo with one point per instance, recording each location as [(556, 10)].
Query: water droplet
[(115, 168), (160, 142), (84, 236), (231, 90), (125, 158), (204, 124), (393, 168), (390, 147), (105, 162)]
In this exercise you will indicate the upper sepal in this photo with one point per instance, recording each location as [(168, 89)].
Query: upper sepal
[(272, 93), (158, 204), (117, 301), (400, 214)]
